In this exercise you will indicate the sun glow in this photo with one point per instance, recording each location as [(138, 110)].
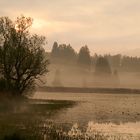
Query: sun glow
[(42, 26), (38, 24), (16, 27)]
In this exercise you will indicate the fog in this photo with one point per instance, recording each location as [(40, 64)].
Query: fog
[(76, 77)]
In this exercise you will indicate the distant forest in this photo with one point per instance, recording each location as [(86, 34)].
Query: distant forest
[(66, 55)]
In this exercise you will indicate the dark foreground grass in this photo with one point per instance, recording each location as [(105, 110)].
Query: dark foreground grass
[(24, 119), (52, 131), (29, 120)]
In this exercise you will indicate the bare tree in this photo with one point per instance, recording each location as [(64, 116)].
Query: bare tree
[(22, 57)]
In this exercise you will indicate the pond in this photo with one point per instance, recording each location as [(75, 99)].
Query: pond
[(111, 113)]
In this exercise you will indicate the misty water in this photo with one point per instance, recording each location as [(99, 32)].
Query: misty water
[(109, 113)]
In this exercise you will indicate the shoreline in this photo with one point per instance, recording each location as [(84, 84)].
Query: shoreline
[(89, 90)]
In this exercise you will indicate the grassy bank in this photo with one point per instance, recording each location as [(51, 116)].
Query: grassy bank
[(90, 90), (25, 118)]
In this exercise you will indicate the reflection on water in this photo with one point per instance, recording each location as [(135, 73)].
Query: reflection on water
[(109, 112), (125, 128)]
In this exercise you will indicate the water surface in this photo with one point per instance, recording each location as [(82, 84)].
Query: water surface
[(115, 113)]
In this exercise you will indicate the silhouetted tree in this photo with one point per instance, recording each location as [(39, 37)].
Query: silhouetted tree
[(130, 64), (54, 52), (22, 57), (93, 60), (63, 54), (114, 60), (102, 67), (84, 59)]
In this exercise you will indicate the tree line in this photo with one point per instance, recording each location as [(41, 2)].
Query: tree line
[(65, 54)]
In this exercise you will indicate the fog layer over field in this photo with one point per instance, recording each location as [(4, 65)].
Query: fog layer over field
[(68, 76), (69, 68)]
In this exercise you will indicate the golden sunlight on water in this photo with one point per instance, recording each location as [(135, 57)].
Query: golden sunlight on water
[(125, 128)]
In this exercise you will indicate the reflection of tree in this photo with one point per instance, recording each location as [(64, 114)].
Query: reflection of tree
[(57, 81)]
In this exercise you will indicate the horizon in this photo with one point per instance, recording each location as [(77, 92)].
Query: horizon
[(104, 26), (129, 53)]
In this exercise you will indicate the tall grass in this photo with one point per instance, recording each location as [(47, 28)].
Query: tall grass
[(87, 133), (27, 122), (49, 130)]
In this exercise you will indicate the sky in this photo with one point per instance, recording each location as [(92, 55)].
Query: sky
[(105, 26)]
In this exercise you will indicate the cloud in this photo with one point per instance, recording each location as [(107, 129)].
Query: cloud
[(101, 24)]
